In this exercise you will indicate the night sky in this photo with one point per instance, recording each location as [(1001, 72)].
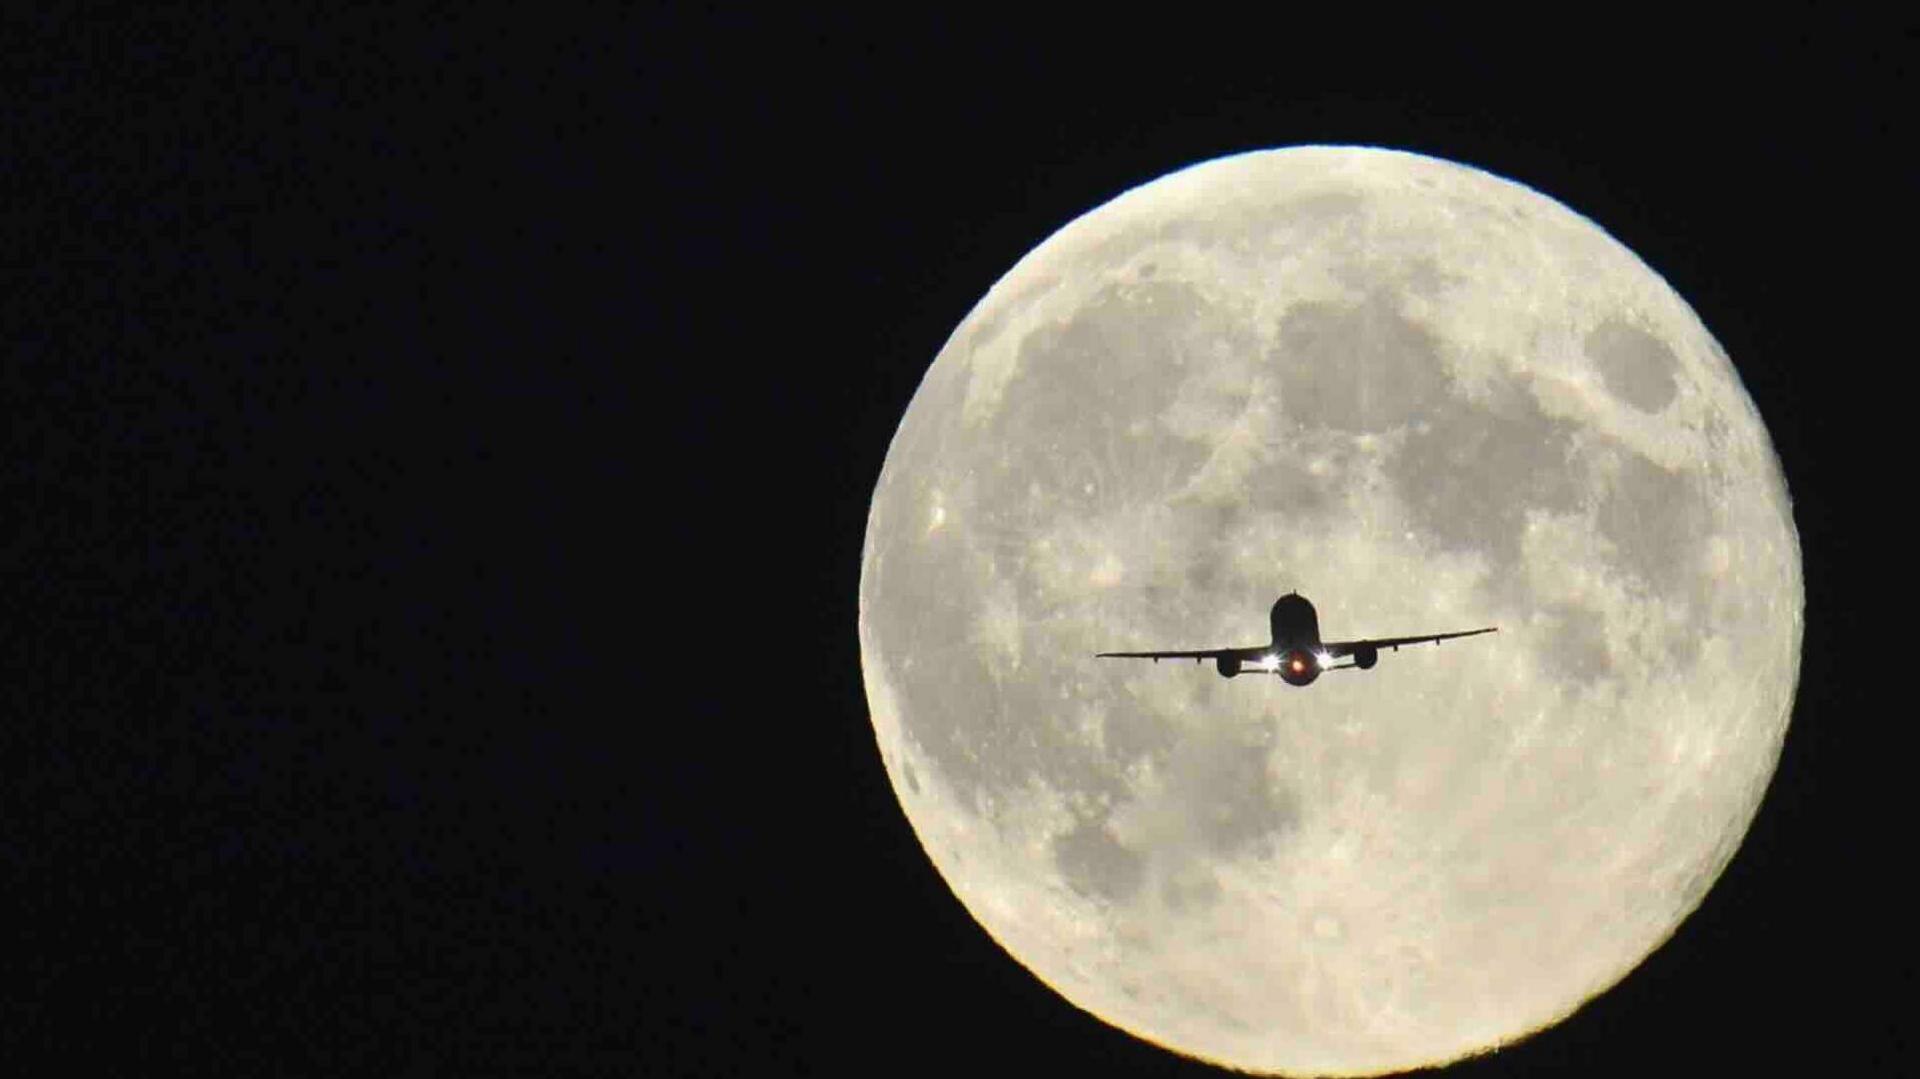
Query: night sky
[(437, 459)]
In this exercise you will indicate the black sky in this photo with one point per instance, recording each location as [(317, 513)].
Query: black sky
[(438, 455)]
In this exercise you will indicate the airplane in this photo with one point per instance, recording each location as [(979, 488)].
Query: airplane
[(1297, 653)]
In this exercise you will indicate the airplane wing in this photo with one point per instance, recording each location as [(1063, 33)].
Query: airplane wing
[(1214, 653), (1347, 648)]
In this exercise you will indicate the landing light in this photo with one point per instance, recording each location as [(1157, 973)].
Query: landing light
[(1325, 659)]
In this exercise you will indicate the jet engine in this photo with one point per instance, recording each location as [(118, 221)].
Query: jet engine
[(1365, 656), (1228, 665)]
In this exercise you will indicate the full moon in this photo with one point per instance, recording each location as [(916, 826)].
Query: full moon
[(1429, 399)]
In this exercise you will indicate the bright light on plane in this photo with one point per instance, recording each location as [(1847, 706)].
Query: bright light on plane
[(1271, 661), (1325, 659)]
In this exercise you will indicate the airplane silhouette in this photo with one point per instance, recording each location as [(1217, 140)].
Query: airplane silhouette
[(1297, 653)]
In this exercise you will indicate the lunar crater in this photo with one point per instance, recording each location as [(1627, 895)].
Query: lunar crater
[(1636, 366)]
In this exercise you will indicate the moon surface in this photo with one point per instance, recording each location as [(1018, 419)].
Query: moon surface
[(1429, 399)]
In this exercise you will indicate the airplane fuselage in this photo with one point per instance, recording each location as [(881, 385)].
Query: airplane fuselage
[(1294, 623), (1296, 638)]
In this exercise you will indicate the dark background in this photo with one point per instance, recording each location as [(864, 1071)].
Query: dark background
[(437, 458)]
